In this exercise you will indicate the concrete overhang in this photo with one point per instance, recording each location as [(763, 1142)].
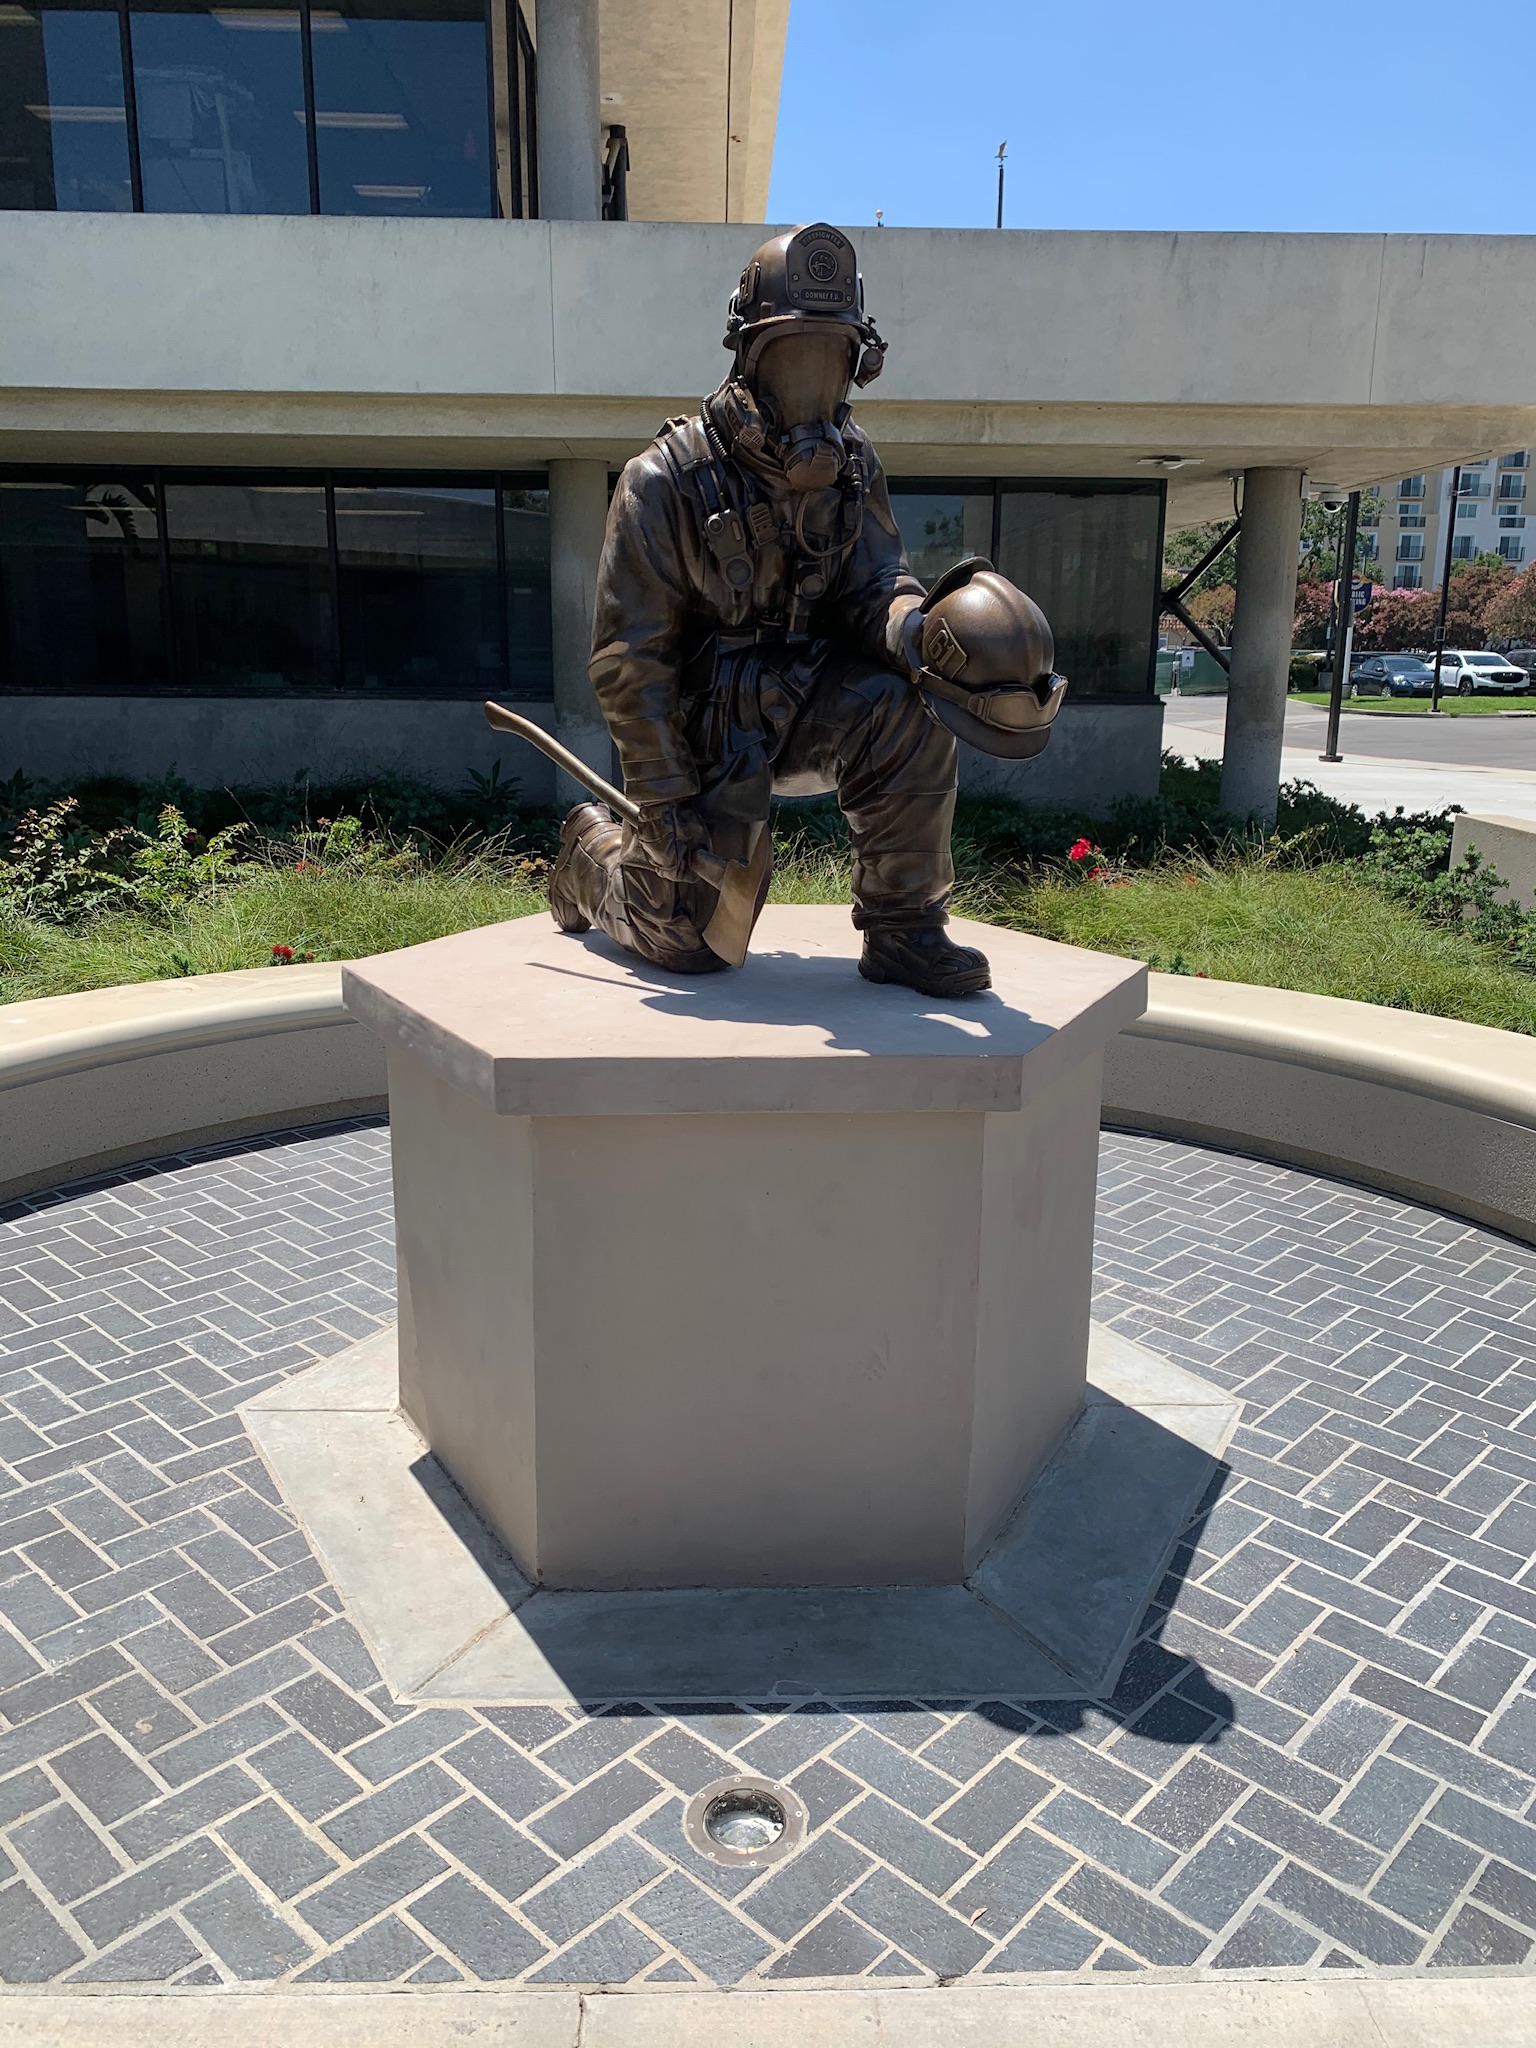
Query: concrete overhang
[(479, 343)]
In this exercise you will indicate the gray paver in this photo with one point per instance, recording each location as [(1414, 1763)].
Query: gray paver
[(1476, 1940), (1265, 1942), (610, 1954), (281, 1854), (1333, 1912), (363, 1826), (570, 1903), (794, 1894), (596, 1807), (367, 1888), (1426, 1877), (1108, 1841), (701, 1929), (104, 1778), (1145, 1927), (1216, 1882), (151, 1890), (305, 1776), (994, 1805), (1010, 1882), (918, 1924), (499, 1854), (835, 1947), (1048, 1941), (244, 1932), (379, 1955), (906, 1844), (68, 1856), (498, 1769), (487, 1941), (149, 1958), (33, 1946)]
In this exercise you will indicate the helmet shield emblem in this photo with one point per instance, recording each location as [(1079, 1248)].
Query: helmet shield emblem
[(822, 274)]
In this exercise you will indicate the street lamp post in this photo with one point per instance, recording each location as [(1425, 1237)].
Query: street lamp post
[(1344, 628), (1445, 588), (1002, 152)]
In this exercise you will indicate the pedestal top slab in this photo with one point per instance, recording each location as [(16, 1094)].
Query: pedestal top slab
[(531, 1021)]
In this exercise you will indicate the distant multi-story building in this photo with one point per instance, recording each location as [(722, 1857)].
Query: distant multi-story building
[(1406, 518)]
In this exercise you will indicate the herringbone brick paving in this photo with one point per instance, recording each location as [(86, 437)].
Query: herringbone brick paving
[(1322, 1753)]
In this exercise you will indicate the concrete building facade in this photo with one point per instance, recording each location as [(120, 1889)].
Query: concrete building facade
[(292, 491), (1408, 518)]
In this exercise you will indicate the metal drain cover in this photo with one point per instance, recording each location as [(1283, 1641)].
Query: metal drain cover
[(745, 1823)]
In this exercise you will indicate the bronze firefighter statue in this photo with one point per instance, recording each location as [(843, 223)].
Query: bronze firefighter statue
[(758, 632)]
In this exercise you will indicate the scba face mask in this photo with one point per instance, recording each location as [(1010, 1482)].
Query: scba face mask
[(801, 381)]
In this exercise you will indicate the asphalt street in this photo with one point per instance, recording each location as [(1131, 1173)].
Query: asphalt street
[(1482, 763)]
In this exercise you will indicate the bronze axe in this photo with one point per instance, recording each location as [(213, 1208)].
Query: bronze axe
[(737, 884)]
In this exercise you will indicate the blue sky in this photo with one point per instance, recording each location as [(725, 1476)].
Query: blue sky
[(1125, 114)]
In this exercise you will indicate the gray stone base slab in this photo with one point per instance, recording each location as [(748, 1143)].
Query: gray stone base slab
[(1243, 2012), (1050, 1614)]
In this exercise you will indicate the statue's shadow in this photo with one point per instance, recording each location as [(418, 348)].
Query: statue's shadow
[(795, 990)]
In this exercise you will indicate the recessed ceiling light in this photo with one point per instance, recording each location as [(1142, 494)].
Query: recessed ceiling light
[(377, 123), (78, 113)]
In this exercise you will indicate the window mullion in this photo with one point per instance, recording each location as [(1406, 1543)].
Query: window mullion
[(130, 107), (311, 142)]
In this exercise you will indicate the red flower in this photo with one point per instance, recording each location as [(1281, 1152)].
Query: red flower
[(1081, 849), (282, 954)]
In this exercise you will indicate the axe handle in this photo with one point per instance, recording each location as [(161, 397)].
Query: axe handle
[(511, 721)]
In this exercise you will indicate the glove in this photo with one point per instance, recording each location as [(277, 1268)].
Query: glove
[(669, 833), (903, 630)]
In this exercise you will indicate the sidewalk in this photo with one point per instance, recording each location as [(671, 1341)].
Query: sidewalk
[(1195, 728)]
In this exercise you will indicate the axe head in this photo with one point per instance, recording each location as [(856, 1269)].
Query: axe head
[(739, 887)]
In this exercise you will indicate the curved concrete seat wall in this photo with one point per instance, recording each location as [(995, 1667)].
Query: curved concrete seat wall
[(93, 1081), (1420, 1106)]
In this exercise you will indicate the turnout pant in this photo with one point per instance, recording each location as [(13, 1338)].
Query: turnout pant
[(795, 723)]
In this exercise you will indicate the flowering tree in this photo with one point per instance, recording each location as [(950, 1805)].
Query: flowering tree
[(1314, 602), (1398, 620), (1512, 613), (1213, 608), (1475, 588)]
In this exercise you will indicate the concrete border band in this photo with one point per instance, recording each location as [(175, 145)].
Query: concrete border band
[(1440, 1111), (1491, 2009)]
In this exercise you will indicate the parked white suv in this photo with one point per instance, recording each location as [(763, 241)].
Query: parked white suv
[(1468, 672)]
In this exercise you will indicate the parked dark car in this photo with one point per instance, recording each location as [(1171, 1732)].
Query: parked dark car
[(1392, 675)]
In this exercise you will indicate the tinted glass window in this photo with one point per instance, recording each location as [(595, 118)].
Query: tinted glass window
[(220, 96), (80, 586), (251, 587), (1090, 561), (941, 526), (63, 119), (525, 521), (418, 589), (401, 110)]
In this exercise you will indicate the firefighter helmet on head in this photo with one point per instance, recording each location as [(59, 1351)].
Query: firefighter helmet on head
[(808, 277), (987, 660)]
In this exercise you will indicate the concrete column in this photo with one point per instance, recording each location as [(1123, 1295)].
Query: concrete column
[(1267, 552), (578, 512), (570, 115)]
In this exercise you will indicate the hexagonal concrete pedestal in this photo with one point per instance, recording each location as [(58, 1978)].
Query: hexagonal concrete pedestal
[(769, 1278)]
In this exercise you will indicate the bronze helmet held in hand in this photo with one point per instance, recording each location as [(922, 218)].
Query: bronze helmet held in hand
[(983, 657)]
